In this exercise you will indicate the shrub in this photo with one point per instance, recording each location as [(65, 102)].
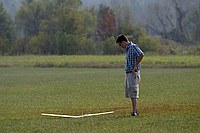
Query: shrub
[(110, 47), (148, 43)]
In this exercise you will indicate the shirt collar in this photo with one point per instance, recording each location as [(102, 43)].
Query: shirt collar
[(128, 46)]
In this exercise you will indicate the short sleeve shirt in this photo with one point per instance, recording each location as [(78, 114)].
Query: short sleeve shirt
[(132, 53)]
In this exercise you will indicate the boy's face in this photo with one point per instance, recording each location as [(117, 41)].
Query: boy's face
[(122, 44)]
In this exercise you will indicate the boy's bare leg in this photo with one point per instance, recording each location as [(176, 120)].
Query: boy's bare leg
[(134, 104)]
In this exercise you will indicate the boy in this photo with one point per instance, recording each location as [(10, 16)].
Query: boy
[(134, 56)]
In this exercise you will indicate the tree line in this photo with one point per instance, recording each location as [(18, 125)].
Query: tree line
[(64, 27)]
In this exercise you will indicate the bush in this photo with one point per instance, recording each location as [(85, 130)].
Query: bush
[(69, 44), (18, 46), (87, 46), (3, 46), (110, 47), (198, 49), (41, 44), (148, 43)]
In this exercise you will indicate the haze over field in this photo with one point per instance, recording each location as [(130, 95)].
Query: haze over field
[(138, 8)]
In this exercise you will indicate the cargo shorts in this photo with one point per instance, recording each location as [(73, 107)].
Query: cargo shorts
[(132, 85)]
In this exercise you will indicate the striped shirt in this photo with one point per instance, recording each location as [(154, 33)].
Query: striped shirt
[(132, 53)]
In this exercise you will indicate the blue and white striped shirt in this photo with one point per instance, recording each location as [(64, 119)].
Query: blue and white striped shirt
[(132, 53)]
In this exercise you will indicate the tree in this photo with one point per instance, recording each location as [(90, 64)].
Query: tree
[(107, 22), (29, 16), (72, 26), (28, 19), (195, 24), (55, 27), (6, 30), (160, 21), (180, 32), (170, 20)]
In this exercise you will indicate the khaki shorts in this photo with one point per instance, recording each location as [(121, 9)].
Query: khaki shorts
[(132, 85)]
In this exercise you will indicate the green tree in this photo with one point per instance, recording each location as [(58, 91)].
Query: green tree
[(72, 26), (28, 19), (55, 27), (6, 30), (29, 16)]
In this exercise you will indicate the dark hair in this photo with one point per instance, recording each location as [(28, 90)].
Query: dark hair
[(121, 38)]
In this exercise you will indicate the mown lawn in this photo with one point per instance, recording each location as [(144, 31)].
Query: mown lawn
[(169, 100)]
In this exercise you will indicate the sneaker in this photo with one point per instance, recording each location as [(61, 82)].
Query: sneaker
[(134, 114)]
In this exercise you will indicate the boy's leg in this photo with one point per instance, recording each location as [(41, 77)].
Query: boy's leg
[(134, 104)]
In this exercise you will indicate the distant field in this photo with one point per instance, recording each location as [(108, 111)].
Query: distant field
[(90, 61), (169, 100)]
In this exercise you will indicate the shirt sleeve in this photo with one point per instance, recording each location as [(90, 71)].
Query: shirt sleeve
[(137, 51)]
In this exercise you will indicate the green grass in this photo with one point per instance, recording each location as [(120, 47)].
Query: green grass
[(169, 100), (91, 61)]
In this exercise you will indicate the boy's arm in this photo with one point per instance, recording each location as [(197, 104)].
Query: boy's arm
[(138, 61)]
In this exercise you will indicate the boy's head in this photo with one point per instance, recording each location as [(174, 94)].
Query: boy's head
[(122, 40)]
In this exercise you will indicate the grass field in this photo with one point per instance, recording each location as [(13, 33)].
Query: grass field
[(169, 100), (92, 61)]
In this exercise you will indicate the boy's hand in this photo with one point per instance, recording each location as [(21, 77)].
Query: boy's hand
[(134, 70)]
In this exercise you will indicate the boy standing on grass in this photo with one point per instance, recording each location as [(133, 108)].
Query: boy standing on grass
[(134, 56)]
